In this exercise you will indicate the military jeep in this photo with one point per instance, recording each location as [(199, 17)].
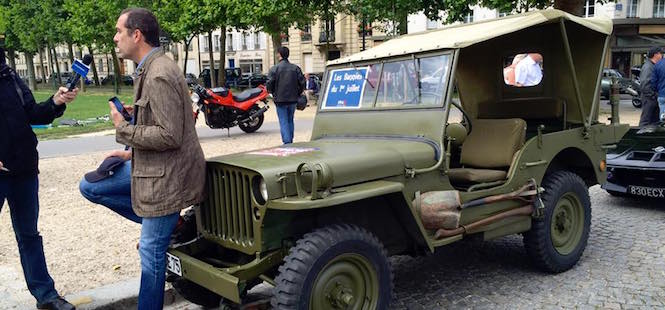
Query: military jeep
[(417, 143)]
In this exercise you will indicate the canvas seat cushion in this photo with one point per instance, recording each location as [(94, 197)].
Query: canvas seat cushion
[(471, 175)]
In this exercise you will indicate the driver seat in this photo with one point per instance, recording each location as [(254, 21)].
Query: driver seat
[(488, 151)]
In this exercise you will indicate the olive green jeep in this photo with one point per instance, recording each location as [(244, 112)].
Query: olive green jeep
[(485, 129)]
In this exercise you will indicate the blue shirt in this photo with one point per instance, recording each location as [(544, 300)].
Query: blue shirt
[(658, 78), (138, 68)]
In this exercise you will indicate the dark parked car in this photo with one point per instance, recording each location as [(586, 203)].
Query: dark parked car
[(252, 80), (637, 166), (232, 77), (126, 80)]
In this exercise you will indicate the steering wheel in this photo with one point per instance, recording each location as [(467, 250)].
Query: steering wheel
[(467, 120)]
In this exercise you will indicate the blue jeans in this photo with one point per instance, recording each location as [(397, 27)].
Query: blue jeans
[(114, 192), (154, 241), (285, 114), (21, 193), (661, 106)]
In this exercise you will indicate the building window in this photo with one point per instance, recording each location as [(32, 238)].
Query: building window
[(468, 18), (431, 24), (589, 8), (330, 35), (245, 39), (257, 41), (204, 44), (101, 65), (229, 42), (215, 43), (631, 11), (659, 8)]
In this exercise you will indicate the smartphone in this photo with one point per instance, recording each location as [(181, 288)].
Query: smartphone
[(121, 108)]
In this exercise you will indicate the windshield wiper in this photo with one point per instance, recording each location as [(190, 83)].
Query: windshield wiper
[(358, 71)]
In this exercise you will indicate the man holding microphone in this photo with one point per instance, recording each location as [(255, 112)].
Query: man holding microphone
[(18, 174)]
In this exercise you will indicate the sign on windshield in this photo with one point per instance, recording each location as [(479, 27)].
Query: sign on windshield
[(346, 88)]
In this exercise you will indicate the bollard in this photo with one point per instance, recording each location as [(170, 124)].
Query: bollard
[(615, 99)]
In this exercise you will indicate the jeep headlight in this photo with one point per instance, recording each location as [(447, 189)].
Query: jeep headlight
[(195, 98), (260, 190)]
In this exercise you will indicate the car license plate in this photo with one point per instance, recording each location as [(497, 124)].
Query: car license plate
[(652, 192), (173, 264)]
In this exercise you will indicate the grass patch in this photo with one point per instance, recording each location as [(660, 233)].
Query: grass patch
[(86, 108)]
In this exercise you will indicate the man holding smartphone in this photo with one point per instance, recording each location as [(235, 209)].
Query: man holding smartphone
[(18, 175), (167, 167)]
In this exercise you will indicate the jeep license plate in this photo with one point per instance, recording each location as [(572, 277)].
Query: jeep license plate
[(173, 264), (644, 191)]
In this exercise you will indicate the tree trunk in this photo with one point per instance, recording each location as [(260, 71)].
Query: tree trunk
[(41, 66), (70, 51), (221, 77), (575, 7), (50, 63), (188, 43), (116, 71), (31, 70), (211, 54), (95, 76), (57, 67), (276, 43), (79, 55), (12, 58)]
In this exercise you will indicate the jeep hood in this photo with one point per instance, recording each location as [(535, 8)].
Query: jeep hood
[(351, 159)]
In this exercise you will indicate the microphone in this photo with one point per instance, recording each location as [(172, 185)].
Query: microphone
[(79, 69)]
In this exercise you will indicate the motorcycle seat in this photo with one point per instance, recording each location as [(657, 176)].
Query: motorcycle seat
[(220, 91), (248, 94)]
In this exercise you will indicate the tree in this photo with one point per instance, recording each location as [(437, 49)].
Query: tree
[(275, 17), (93, 21), (28, 33)]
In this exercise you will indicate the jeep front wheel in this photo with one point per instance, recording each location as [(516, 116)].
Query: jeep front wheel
[(556, 242), (336, 267)]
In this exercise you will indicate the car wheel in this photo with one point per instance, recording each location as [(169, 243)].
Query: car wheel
[(252, 125), (337, 267), (556, 242), (196, 294)]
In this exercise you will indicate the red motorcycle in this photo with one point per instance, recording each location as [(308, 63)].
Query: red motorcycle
[(222, 109)]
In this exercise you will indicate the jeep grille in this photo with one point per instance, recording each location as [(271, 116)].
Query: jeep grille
[(226, 214)]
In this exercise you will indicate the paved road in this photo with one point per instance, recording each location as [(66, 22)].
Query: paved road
[(75, 146), (623, 267)]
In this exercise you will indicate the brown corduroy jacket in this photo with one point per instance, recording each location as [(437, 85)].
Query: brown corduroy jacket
[(168, 166)]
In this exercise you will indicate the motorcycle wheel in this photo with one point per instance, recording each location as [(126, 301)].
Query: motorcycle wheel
[(637, 102), (253, 125)]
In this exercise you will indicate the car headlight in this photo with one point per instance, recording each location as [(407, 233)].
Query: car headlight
[(195, 98), (260, 190)]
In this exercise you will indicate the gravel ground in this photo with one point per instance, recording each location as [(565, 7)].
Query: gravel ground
[(86, 245)]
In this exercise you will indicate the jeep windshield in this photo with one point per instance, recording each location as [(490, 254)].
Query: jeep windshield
[(403, 83)]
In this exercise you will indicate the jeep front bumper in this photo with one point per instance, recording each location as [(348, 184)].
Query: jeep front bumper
[(228, 282)]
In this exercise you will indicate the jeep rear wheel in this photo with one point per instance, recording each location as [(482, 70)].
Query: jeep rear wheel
[(337, 267), (556, 242)]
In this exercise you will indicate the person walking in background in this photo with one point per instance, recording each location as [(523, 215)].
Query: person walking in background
[(311, 87), (286, 83), (650, 111), (19, 183), (167, 163), (658, 85)]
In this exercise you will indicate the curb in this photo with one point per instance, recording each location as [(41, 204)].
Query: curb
[(121, 295)]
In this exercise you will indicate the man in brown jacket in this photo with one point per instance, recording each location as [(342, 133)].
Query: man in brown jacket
[(168, 167)]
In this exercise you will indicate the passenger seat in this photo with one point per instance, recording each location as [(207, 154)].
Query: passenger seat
[(488, 151)]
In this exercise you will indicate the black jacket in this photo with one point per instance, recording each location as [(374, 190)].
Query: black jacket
[(285, 82), (18, 143)]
